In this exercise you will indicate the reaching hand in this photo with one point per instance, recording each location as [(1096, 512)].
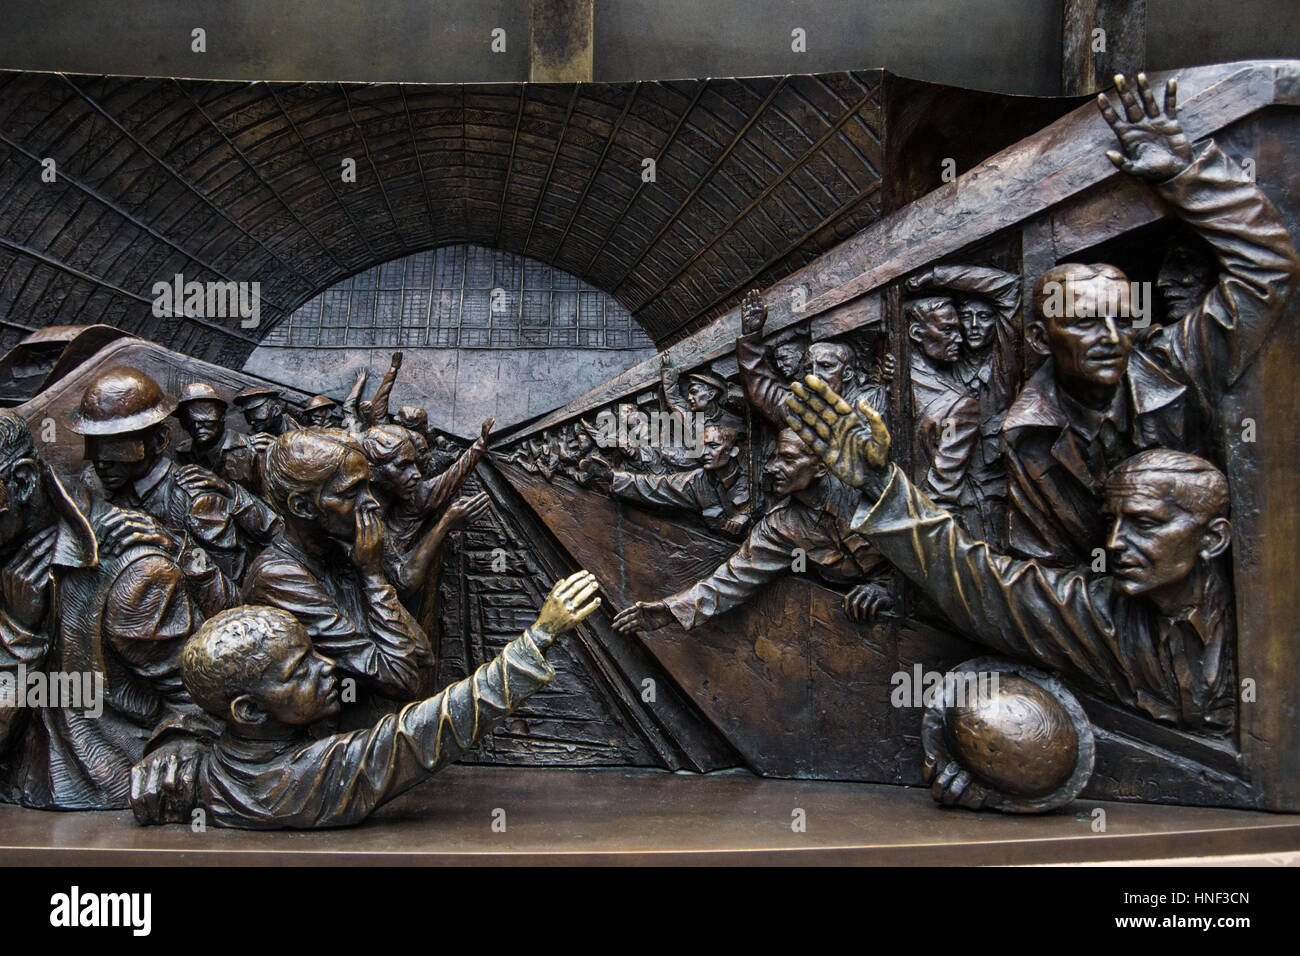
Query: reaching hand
[(487, 427), (463, 512), (854, 443), (396, 362), (643, 616), (1155, 147), (753, 312), (566, 606)]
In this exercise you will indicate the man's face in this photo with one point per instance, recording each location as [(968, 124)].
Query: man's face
[(399, 477), (264, 417), (1092, 346), (716, 449), (345, 494), (787, 358), (1182, 282), (298, 687), (829, 364), (320, 417), (120, 461), (937, 332), (977, 323), (1153, 543), (204, 421), (793, 467), (700, 395)]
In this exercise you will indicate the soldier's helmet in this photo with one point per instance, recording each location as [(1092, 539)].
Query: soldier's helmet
[(320, 401), (121, 400), (200, 392)]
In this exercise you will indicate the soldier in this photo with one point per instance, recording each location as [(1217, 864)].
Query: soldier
[(1155, 634), (202, 414), (812, 516), (834, 361), (122, 417), (79, 598), (326, 567), (718, 490), (1102, 395), (321, 411), (264, 411)]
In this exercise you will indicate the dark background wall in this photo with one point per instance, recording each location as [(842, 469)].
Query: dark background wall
[(1011, 46)]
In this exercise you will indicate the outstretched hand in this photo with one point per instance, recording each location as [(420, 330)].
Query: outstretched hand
[(1155, 148), (566, 607), (642, 616), (753, 312), (853, 442)]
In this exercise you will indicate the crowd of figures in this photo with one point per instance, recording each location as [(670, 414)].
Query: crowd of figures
[(256, 606), (1087, 502)]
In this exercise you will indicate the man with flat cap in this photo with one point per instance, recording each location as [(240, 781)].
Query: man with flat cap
[(122, 417), (202, 414)]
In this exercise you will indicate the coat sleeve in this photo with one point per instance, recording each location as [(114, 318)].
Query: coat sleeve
[(763, 388), (340, 780), (1060, 619), (767, 553), (1214, 344)]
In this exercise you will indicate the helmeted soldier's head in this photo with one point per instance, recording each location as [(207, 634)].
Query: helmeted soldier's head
[(933, 325), (263, 409), (794, 467), (835, 363), (320, 477), (122, 417), (1169, 514), (394, 461), (202, 414), (320, 411), (1083, 320)]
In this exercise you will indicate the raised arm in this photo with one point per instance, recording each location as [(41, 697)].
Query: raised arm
[(1216, 342)]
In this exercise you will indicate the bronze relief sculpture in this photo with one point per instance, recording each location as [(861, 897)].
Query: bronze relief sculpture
[(906, 453)]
